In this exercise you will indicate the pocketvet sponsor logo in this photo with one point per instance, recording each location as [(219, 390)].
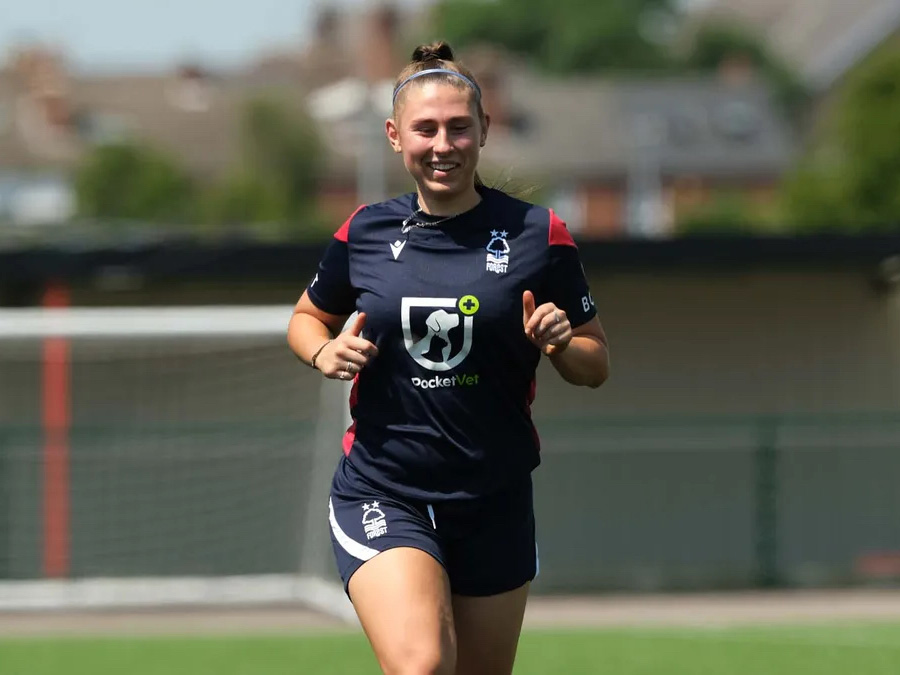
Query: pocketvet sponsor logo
[(438, 382), (438, 334)]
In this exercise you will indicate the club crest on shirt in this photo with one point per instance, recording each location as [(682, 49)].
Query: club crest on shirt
[(498, 252), (373, 520), (437, 332)]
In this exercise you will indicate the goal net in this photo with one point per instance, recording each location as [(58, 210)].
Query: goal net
[(163, 456)]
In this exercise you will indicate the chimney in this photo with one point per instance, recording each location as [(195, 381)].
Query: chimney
[(192, 90), (326, 31), (736, 69), (44, 78), (379, 37)]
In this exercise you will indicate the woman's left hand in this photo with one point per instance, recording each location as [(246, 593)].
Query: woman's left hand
[(546, 326)]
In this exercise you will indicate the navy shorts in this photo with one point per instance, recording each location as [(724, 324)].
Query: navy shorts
[(486, 545)]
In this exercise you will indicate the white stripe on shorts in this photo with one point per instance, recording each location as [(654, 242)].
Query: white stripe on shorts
[(352, 546)]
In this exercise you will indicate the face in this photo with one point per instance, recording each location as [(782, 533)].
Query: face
[(438, 132)]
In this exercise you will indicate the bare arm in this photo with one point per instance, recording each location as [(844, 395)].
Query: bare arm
[(585, 361), (580, 355), (340, 355)]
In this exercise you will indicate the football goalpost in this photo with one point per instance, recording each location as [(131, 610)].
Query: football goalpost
[(164, 456)]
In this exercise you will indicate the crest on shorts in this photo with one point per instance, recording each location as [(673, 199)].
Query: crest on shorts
[(498, 252), (437, 332), (373, 520)]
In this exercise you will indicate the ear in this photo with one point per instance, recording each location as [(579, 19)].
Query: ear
[(484, 130), (393, 134)]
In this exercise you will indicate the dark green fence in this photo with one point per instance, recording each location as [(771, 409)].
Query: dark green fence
[(624, 503)]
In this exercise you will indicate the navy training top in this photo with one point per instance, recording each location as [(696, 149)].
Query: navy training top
[(444, 410)]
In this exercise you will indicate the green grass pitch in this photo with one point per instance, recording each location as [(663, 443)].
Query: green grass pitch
[(828, 649)]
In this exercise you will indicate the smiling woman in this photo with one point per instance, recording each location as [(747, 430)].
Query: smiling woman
[(460, 290), (439, 126)]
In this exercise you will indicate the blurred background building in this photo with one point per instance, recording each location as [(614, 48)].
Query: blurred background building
[(707, 132)]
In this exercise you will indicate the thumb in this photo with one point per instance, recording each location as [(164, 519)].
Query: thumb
[(527, 306), (358, 324)]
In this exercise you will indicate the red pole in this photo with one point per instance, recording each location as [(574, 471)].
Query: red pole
[(56, 421)]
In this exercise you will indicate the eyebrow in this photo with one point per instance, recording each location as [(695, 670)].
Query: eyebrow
[(458, 118)]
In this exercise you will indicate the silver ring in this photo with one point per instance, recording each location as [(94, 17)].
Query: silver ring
[(349, 365), (345, 375), (556, 316)]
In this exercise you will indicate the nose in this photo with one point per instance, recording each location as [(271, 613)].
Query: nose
[(442, 141)]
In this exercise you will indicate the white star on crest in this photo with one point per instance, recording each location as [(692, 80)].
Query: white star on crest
[(370, 507), (504, 234), (493, 233)]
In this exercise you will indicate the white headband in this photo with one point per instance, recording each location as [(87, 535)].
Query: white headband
[(434, 71)]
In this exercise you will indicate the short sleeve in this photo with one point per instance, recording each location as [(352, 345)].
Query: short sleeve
[(331, 289), (567, 286)]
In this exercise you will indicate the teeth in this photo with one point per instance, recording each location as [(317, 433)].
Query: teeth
[(442, 167)]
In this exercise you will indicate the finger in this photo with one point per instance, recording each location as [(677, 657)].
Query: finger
[(344, 369), (527, 307), (554, 336), (360, 345), (549, 330), (358, 323), (354, 358), (563, 336), (544, 324), (539, 318), (343, 355), (553, 323)]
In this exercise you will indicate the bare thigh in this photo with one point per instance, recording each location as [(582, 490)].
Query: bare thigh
[(402, 598), (487, 631)]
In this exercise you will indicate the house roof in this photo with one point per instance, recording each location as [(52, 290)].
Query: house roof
[(590, 126), (821, 39), (196, 119), (192, 115), (699, 126), (572, 127)]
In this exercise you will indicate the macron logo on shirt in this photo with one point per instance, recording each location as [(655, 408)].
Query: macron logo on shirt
[(396, 247)]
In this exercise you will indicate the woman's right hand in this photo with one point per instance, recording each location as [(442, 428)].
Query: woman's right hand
[(344, 356)]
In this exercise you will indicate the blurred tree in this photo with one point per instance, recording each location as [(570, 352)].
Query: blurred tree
[(276, 189), (870, 133), (852, 181), (132, 181), (564, 36), (814, 198), (239, 199), (283, 149), (729, 212)]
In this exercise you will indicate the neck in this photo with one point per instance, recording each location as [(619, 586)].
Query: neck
[(435, 206)]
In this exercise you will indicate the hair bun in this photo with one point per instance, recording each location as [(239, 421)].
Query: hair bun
[(436, 51)]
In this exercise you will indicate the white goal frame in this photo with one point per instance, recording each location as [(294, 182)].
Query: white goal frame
[(313, 592)]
